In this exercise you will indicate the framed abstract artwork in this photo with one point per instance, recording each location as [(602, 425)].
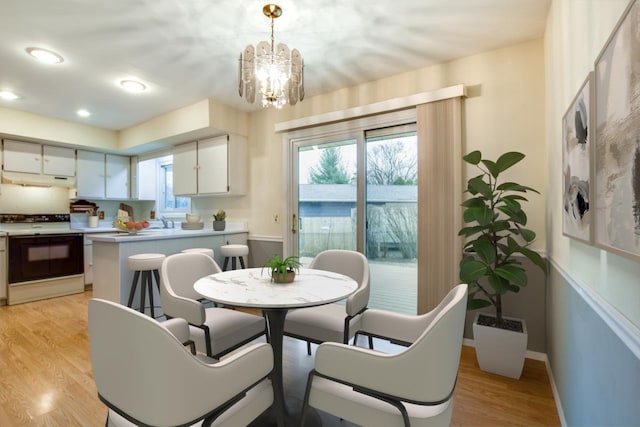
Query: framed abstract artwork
[(577, 144), (617, 138)]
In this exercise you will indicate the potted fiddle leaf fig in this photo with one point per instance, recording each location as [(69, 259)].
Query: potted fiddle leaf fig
[(282, 270), (219, 220), (496, 243)]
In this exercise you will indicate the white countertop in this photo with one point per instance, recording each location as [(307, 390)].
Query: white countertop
[(159, 234)]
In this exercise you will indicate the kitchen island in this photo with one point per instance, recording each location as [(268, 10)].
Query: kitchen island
[(111, 276)]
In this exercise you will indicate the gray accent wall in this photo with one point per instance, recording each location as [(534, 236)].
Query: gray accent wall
[(596, 374), (529, 304), (262, 250)]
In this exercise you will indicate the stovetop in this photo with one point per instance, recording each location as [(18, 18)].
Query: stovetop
[(33, 218), (34, 224)]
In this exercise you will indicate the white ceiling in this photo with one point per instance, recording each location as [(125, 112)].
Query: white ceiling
[(187, 50)]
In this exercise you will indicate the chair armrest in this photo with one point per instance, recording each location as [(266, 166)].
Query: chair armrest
[(178, 327), (360, 366), (397, 326), (357, 301), (236, 372), (190, 310)]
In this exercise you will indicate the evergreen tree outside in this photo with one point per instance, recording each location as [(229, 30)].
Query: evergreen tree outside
[(330, 169)]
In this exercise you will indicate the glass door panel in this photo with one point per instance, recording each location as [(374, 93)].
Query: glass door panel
[(391, 205), (327, 197)]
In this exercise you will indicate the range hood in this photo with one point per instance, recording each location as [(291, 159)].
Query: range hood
[(38, 180)]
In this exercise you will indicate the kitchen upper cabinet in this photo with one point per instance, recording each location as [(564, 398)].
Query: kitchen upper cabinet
[(117, 178), (102, 176), (185, 169), (58, 161), (214, 166), (22, 157), (28, 157)]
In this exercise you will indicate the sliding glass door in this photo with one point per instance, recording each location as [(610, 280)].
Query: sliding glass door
[(357, 190)]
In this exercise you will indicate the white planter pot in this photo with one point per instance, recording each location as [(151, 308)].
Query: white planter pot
[(500, 351)]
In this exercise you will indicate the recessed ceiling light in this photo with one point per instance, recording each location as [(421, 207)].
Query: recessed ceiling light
[(44, 55), (133, 85), (83, 113), (9, 96)]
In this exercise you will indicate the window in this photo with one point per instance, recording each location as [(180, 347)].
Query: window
[(155, 182), (167, 202)]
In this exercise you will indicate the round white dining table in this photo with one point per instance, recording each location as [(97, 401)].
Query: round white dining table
[(253, 288)]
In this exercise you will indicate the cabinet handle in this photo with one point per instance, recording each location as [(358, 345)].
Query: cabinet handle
[(293, 224)]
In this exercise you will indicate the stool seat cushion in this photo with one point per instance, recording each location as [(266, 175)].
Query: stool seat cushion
[(234, 250), (206, 251), (143, 262)]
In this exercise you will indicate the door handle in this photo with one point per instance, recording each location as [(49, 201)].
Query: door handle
[(293, 223)]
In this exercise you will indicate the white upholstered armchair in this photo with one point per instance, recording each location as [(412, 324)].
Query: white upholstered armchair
[(146, 377), (413, 387), (333, 322), (215, 330)]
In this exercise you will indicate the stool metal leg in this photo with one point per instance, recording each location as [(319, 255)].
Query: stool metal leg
[(233, 263), (241, 261), (226, 262), (150, 288), (134, 285), (143, 288)]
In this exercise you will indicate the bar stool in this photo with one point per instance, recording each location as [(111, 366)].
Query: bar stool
[(233, 252), (205, 251), (145, 264)]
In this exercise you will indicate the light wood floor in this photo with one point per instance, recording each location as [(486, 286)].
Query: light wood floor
[(46, 379)]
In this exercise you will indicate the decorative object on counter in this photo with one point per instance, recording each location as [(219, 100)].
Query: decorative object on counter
[(93, 218), (491, 264), (282, 270), (152, 214), (192, 225), (101, 214), (128, 209), (219, 220), (130, 226), (193, 218), (83, 206)]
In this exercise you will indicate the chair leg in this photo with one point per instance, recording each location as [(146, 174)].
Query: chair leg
[(242, 262), (305, 404), (226, 262), (134, 285), (233, 263), (308, 348), (370, 342)]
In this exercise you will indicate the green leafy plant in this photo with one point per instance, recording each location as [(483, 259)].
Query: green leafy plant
[(278, 267), (496, 233), (221, 215)]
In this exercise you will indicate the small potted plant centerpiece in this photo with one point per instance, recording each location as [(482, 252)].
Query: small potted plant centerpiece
[(218, 220), (497, 241), (282, 270)]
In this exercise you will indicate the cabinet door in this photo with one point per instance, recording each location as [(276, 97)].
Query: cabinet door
[(117, 177), (90, 179), (58, 161), (185, 163), (22, 156), (213, 165)]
